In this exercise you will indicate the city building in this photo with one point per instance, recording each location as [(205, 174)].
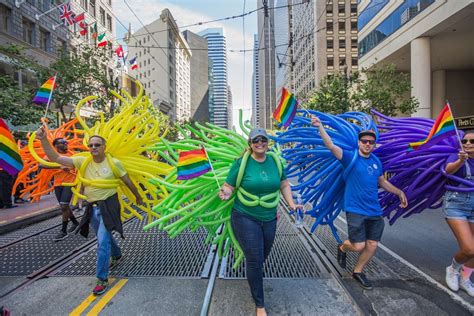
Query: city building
[(163, 57), (230, 108), (432, 40), (324, 41), (217, 50), (36, 26), (266, 63), (282, 39), (255, 118), (200, 74)]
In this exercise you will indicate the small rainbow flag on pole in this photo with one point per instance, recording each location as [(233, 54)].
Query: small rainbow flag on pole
[(286, 109), (45, 92), (443, 127), (10, 159), (192, 164)]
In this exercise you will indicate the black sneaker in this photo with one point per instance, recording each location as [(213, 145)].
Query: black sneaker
[(72, 229), (60, 236), (362, 280), (341, 256)]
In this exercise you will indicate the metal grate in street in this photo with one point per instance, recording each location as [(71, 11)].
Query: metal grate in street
[(150, 254), (324, 235), (23, 258), (289, 257)]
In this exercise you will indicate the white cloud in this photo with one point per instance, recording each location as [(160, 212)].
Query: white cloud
[(239, 81)]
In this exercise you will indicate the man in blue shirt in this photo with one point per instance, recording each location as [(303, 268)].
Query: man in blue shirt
[(363, 213)]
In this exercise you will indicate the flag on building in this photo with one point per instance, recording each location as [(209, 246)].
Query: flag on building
[(119, 51), (66, 15), (442, 128), (101, 41), (94, 31), (10, 159), (133, 63), (83, 28), (192, 164), (78, 18), (286, 109), (45, 92)]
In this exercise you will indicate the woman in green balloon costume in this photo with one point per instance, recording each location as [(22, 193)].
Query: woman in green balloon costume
[(257, 178)]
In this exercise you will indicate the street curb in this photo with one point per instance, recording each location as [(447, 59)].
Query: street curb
[(45, 214)]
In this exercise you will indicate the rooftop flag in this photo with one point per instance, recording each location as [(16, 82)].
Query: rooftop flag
[(286, 109), (192, 164), (443, 127), (45, 92), (10, 159)]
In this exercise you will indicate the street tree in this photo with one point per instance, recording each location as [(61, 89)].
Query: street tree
[(384, 90)]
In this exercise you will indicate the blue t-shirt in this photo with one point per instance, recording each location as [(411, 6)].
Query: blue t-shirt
[(361, 192), (462, 172)]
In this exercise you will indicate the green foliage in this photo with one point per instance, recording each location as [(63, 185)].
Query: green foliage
[(77, 77), (384, 90)]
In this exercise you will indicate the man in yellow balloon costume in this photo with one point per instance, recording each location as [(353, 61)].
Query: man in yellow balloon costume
[(103, 206)]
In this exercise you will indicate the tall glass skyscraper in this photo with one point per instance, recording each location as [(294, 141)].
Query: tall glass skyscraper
[(216, 44)]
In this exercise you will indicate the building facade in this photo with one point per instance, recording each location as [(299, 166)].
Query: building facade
[(255, 118), (266, 63), (230, 108), (217, 50), (35, 25), (200, 74), (164, 72), (432, 40), (324, 41)]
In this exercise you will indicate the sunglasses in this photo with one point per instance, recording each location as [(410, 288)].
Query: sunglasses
[(94, 145), (63, 142), (465, 141), (259, 139), (367, 141)]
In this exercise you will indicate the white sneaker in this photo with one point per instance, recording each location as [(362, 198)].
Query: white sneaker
[(467, 286), (452, 278)]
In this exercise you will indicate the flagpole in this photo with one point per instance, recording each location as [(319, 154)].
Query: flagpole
[(454, 123), (37, 16), (50, 97), (212, 168)]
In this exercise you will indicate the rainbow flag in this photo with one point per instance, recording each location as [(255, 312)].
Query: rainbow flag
[(192, 164), (10, 159), (45, 92), (286, 109), (442, 128)]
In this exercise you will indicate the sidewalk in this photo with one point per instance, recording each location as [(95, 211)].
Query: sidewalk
[(28, 213)]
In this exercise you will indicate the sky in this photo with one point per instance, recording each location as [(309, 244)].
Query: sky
[(185, 12)]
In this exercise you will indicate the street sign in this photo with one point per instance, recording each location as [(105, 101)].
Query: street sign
[(465, 122)]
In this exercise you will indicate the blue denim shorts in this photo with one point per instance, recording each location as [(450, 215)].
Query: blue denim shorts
[(459, 205)]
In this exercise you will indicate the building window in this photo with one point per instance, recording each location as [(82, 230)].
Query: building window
[(329, 26), (109, 2), (84, 4), (61, 47), (342, 61), (354, 43), (329, 8), (342, 26), (330, 61), (44, 37), (342, 43), (109, 23), (44, 4), (330, 43), (28, 31), (353, 8), (342, 8), (5, 18), (102, 16), (354, 61), (92, 7), (354, 26)]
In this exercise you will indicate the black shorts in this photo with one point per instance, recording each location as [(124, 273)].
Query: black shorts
[(361, 228), (63, 194)]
